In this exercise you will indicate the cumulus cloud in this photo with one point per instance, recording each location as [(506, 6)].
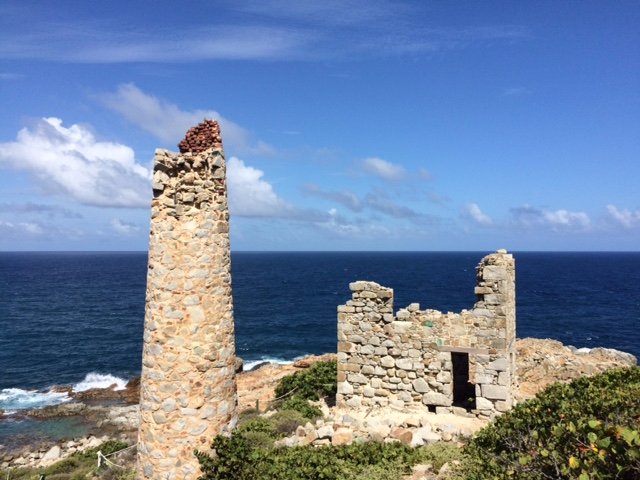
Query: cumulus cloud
[(71, 161), (345, 198), (527, 216), (124, 228), (168, 123), (625, 217), (473, 212), (252, 196), (383, 169)]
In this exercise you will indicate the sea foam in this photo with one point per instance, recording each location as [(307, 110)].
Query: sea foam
[(12, 399), (99, 380), (248, 365)]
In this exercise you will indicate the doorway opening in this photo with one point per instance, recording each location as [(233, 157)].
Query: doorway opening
[(464, 392)]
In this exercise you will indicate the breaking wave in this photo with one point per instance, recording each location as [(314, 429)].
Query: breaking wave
[(12, 399), (99, 380)]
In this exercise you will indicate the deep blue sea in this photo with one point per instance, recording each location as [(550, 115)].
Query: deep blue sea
[(77, 318)]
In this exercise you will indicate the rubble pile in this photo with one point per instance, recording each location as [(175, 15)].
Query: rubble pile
[(202, 137)]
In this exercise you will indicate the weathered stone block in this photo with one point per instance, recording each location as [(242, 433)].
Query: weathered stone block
[(420, 386), (495, 392), (433, 398)]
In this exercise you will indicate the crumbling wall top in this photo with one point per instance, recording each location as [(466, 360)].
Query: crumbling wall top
[(202, 137)]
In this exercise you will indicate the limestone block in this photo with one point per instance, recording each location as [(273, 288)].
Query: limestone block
[(483, 404), (326, 431), (495, 392), (500, 364), (52, 455), (404, 363), (420, 386), (367, 370), (357, 378), (345, 388), (434, 398), (366, 350), (387, 362)]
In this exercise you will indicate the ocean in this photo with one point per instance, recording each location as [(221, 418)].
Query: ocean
[(76, 318)]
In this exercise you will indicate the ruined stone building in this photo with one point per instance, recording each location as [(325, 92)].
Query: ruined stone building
[(188, 388), (449, 362)]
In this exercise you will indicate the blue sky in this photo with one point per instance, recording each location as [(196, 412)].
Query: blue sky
[(351, 125)]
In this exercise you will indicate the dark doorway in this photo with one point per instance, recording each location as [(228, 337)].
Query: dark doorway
[(464, 392)]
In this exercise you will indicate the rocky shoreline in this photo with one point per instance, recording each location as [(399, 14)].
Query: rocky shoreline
[(113, 414)]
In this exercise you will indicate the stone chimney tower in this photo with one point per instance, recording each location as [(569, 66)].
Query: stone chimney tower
[(188, 386)]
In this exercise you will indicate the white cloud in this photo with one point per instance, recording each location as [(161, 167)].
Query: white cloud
[(72, 162), (627, 218), (342, 227), (383, 169), (10, 228), (527, 216), (168, 123), (472, 211), (124, 228), (271, 30), (566, 218), (92, 43), (252, 196)]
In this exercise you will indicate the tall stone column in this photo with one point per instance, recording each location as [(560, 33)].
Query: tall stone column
[(188, 388)]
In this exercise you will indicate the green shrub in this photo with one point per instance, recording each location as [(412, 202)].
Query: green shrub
[(318, 381), (587, 429), (68, 465), (303, 406), (236, 458), (258, 424), (107, 448), (286, 421)]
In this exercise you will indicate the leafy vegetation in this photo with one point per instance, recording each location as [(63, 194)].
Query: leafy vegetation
[(237, 458), (302, 406), (318, 381), (587, 429), (80, 466)]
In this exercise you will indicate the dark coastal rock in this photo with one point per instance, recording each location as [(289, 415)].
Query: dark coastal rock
[(239, 365), (131, 392), (62, 410), (100, 394)]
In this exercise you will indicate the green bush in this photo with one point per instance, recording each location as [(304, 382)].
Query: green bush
[(286, 421), (258, 424), (587, 429), (318, 381), (303, 406), (236, 459)]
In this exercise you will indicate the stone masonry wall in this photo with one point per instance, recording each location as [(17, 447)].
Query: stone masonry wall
[(188, 388), (449, 362)]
